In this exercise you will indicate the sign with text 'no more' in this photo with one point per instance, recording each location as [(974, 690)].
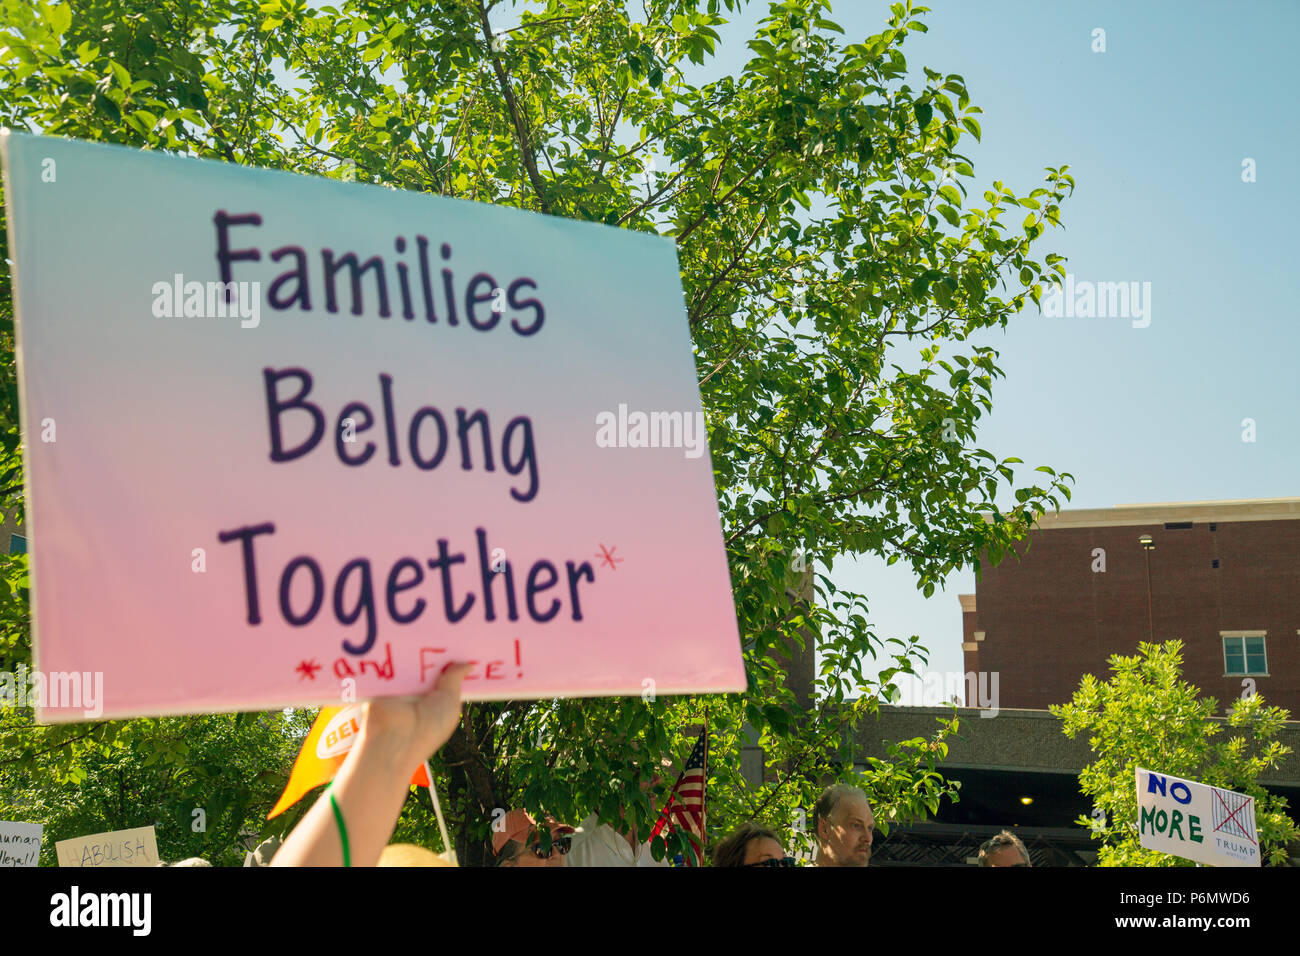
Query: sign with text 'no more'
[(1196, 821), (387, 445)]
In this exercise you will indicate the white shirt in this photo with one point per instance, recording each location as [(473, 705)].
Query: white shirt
[(599, 844)]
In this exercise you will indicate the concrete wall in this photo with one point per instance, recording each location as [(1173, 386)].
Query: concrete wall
[(1027, 740)]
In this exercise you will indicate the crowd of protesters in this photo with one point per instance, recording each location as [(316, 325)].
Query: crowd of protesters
[(352, 822)]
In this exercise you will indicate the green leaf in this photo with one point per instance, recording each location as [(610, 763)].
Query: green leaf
[(778, 718), (108, 108), (944, 290), (60, 18), (865, 150), (140, 121)]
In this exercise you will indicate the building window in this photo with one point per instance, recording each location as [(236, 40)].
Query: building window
[(1244, 653)]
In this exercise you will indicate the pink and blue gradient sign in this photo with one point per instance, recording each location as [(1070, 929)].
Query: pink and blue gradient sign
[(288, 439)]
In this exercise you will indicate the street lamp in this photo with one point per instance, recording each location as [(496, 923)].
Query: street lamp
[(1148, 545)]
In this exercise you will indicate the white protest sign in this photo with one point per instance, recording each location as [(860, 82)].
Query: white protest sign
[(20, 843), (1195, 821), (412, 430), (134, 847)]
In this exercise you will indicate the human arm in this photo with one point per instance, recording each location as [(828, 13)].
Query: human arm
[(397, 735)]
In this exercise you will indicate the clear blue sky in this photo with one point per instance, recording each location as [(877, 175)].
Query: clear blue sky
[(1155, 130)]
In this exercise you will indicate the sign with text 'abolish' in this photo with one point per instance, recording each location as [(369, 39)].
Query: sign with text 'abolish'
[(290, 440), (1196, 821), (135, 847)]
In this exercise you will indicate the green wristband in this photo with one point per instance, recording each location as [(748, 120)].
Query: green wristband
[(343, 830)]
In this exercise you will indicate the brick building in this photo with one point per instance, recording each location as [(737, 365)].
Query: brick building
[(1222, 576)]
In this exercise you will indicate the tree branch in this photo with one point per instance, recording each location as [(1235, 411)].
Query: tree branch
[(734, 262), (681, 237), (61, 743), (650, 200), (521, 133), (609, 134)]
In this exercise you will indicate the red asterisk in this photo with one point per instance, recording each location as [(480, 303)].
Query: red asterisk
[(308, 669), (607, 556)]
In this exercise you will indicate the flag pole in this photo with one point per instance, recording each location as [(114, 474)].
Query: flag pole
[(704, 806), (437, 812)]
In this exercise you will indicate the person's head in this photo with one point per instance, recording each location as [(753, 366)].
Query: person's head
[(750, 845), (845, 827), (1005, 849), (264, 852), (408, 854), (518, 842)]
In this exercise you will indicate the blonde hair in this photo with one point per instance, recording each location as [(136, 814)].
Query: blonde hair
[(408, 854)]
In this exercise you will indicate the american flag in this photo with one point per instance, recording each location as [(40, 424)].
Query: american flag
[(686, 806)]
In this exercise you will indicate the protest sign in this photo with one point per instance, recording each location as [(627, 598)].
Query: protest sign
[(20, 843), (411, 430), (1195, 821), (135, 847)]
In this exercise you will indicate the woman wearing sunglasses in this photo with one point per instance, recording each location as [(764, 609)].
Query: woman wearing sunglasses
[(519, 841), (752, 845)]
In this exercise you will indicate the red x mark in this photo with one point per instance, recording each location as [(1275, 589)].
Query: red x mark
[(1231, 816), (608, 556)]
